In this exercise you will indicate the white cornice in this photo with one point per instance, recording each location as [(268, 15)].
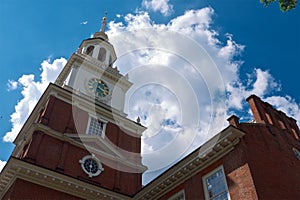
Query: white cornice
[(211, 151), (18, 169)]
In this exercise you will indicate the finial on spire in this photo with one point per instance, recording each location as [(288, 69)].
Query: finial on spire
[(101, 33), (103, 22)]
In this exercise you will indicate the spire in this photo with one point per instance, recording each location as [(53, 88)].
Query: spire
[(103, 22), (102, 33)]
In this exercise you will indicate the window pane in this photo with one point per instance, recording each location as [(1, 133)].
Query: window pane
[(102, 54), (89, 50), (96, 127), (216, 186)]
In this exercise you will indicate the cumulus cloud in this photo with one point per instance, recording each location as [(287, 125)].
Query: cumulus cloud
[(259, 83), (2, 164), (32, 90), (186, 59), (286, 104), (161, 6), (12, 85), (180, 71)]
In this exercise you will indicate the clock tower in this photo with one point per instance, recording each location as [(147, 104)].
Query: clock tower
[(78, 143), (90, 72)]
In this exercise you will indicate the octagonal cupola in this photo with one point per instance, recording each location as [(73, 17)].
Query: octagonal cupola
[(98, 47)]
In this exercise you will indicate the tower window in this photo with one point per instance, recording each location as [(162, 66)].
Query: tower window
[(102, 54), (215, 186), (96, 127), (90, 50)]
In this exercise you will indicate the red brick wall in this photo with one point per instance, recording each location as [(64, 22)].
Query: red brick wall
[(274, 167), (49, 155), (22, 189), (263, 112), (63, 157), (261, 166), (65, 118), (238, 177)]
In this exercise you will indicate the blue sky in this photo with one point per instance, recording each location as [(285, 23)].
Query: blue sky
[(255, 49)]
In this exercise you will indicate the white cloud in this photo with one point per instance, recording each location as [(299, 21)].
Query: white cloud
[(161, 6), (84, 23), (259, 83), (12, 85), (31, 91), (286, 104), (2, 164), (186, 57)]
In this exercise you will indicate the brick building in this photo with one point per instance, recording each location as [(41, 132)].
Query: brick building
[(78, 144)]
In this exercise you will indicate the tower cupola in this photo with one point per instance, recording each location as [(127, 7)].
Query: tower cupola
[(98, 47), (90, 71)]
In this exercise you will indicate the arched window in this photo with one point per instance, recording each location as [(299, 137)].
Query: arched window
[(89, 50), (102, 54)]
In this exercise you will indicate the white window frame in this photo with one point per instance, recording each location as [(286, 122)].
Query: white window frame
[(99, 119), (205, 182), (95, 159), (177, 195)]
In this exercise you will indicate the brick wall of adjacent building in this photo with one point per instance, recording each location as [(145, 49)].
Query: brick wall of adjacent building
[(268, 151), (262, 165)]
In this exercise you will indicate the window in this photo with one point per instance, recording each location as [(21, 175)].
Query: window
[(91, 165), (178, 196), (215, 186), (297, 153), (102, 54), (89, 50), (96, 127)]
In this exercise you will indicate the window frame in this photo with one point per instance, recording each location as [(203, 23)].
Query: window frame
[(98, 119), (90, 50), (209, 174), (178, 194), (102, 54), (296, 153)]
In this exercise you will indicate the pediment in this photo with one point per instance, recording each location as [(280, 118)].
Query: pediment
[(113, 155)]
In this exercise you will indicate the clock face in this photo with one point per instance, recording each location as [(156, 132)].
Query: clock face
[(98, 87)]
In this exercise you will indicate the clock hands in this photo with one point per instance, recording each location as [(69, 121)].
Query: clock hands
[(104, 90), (98, 87)]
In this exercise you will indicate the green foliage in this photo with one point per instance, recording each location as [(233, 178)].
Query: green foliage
[(285, 5)]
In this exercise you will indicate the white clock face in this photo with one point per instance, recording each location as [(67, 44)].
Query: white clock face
[(91, 165)]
